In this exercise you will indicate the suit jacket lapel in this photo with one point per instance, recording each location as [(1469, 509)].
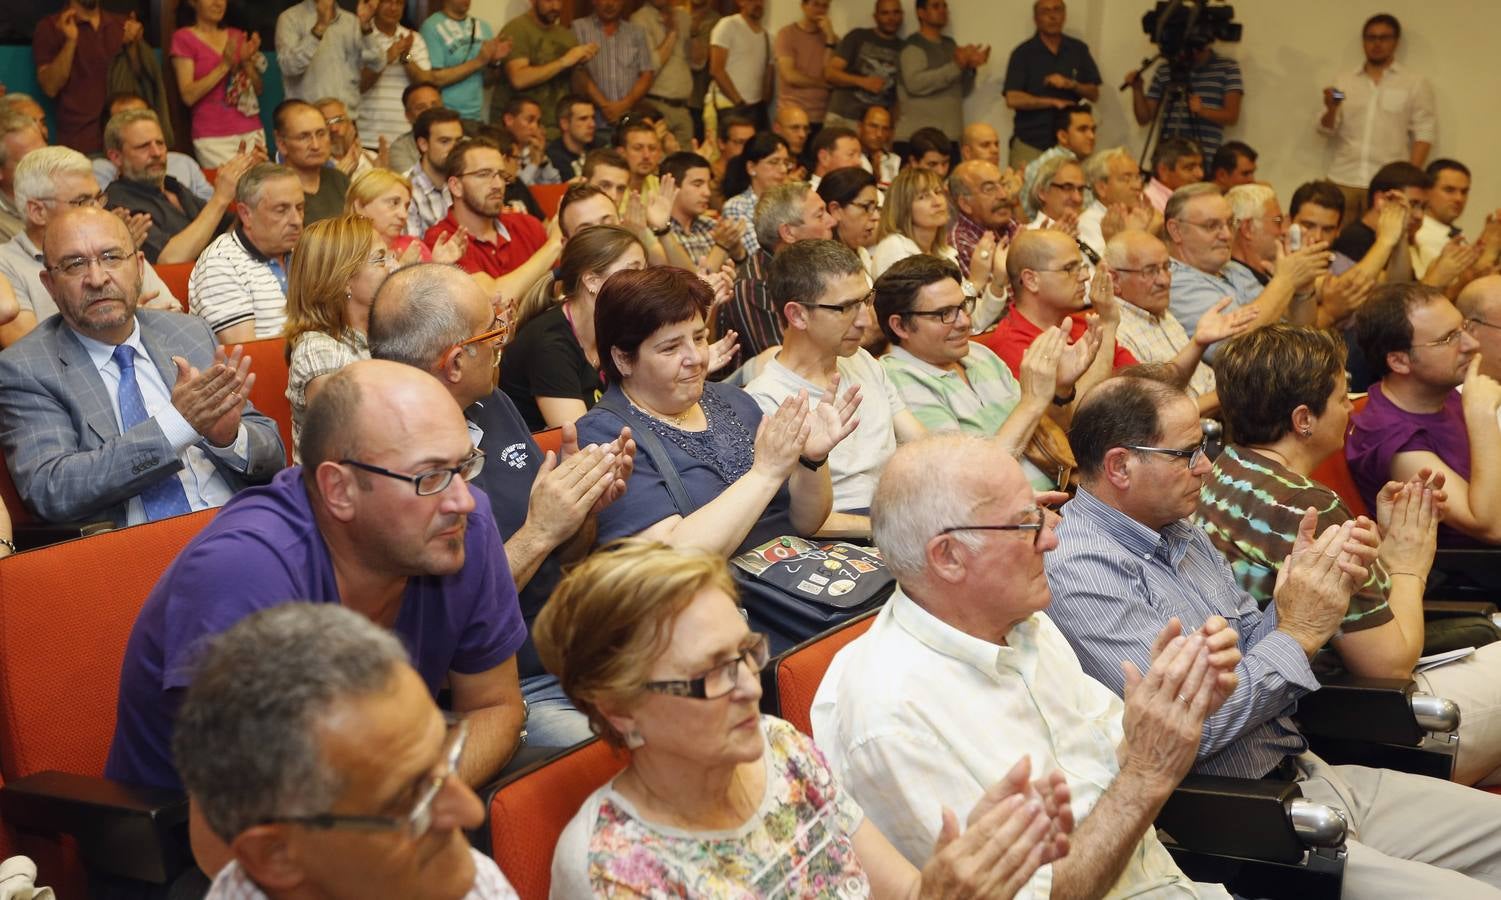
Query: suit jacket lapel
[(86, 385), (161, 354)]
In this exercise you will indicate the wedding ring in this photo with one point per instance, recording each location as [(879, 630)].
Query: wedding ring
[(1185, 700)]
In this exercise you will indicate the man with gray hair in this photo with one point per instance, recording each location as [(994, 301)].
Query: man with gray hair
[(1074, 139), (1200, 229), (49, 181), (309, 714), (437, 319), (1114, 179), (19, 135), (786, 214), (239, 284), (983, 196), (963, 673), (1257, 228), (181, 224)]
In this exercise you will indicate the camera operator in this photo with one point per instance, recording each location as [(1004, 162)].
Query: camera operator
[(1212, 101)]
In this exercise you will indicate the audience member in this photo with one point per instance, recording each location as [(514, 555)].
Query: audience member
[(19, 135), (302, 140), (467, 51), (322, 48), (1047, 73), (936, 74), (618, 77), (522, 119), (761, 166), (803, 50), (1414, 418), (403, 62), (336, 268), (435, 319), (733, 133), (792, 123), (967, 630), (1149, 331), (750, 483), (1233, 164), (1058, 196), (702, 17), (624, 621), (788, 213), (435, 132), (346, 151), (544, 53), (73, 50), (1176, 163), (239, 284), (576, 128), (1401, 184), (1114, 182), (982, 196), (181, 224), (834, 148), (668, 28), (81, 440), (875, 140), (383, 197), (638, 142), (1131, 571), (1286, 406), (179, 165), (1316, 208), (1199, 229), (218, 71), (705, 244), (1257, 229), (1211, 102), (351, 722), (1446, 203), (981, 142), (931, 149), (854, 203), (1074, 129), (740, 63), (609, 171), (416, 99), (1375, 114), (862, 71), (823, 293), (26, 105), (49, 181), (915, 219), (951, 383), (498, 241)]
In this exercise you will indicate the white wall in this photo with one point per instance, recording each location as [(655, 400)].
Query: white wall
[(1290, 50)]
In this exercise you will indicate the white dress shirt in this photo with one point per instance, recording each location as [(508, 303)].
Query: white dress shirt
[(204, 486), (916, 715), (1378, 123)]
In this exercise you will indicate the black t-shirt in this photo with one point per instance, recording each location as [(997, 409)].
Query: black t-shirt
[(1030, 63), (865, 52), (166, 220), (545, 360), (1355, 241)]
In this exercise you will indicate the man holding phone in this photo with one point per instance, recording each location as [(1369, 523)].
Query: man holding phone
[(1376, 114)]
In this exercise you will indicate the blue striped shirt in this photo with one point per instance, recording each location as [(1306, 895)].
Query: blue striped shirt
[(1116, 582), (622, 56), (1211, 81)]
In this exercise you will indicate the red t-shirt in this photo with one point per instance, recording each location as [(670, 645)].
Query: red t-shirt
[(1015, 333), (80, 104), (526, 237)]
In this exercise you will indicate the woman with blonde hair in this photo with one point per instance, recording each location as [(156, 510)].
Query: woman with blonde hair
[(383, 197), (337, 266)]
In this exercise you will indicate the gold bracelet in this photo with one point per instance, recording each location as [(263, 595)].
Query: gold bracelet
[(1394, 573)]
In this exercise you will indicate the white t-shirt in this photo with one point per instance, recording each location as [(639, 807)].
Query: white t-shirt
[(381, 112), (749, 54), (855, 463)]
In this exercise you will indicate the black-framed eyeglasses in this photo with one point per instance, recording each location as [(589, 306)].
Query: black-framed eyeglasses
[(1472, 322), (487, 175), (1032, 520), (721, 679), (1150, 272), (415, 823), (1194, 455), (948, 314), (869, 207), (432, 481), (1445, 341), (843, 309)]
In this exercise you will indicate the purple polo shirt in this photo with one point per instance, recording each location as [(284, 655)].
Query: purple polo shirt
[(1382, 430), (264, 549)]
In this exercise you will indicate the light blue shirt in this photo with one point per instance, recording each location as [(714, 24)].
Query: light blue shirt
[(204, 486), (1195, 292), (453, 41)]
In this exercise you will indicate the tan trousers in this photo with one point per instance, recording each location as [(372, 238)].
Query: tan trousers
[(1475, 684)]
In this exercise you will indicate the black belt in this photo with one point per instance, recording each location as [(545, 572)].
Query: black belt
[(1285, 770), (667, 101)]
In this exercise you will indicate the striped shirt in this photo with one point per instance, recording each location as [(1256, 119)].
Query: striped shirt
[(381, 112), (1212, 81), (232, 882), (622, 56), (749, 311), (1159, 339), (233, 282), (1251, 507), (1115, 584), (430, 202), (742, 206)]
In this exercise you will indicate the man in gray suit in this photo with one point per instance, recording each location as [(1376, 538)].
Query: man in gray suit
[(113, 412)]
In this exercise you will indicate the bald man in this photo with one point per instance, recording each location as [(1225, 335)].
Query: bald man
[(1480, 304), (982, 196), (119, 413), (379, 517), (981, 142)]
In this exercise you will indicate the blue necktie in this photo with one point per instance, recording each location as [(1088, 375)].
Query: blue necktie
[(166, 497)]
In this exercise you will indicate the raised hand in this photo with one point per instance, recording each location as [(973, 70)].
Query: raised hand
[(1039, 369), (155, 300), (831, 421), (1315, 582), (1102, 297), (251, 47), (564, 492), (211, 400), (780, 438), (1058, 80), (980, 261), (723, 351), (411, 255), (382, 153), (634, 214), (67, 24), (659, 204), (451, 247), (134, 30), (1223, 644), (1391, 224), (1219, 323), (326, 11), (1410, 537), (1482, 393), (1303, 265), (1078, 356), (996, 855), (1166, 708), (1345, 293), (139, 224), (729, 233), (1457, 256), (365, 11)]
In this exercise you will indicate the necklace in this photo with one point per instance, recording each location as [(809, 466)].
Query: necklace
[(676, 420)]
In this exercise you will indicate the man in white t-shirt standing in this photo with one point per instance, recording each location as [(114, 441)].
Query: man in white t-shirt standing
[(739, 61), (823, 295), (403, 62)]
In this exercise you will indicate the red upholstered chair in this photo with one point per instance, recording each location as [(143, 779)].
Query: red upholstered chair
[(66, 612), (1334, 474), (549, 439), (549, 197), (268, 360), (791, 680), (531, 808), (175, 277)]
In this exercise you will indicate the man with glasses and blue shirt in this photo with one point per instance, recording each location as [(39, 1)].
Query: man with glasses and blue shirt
[(1131, 570), (346, 786)]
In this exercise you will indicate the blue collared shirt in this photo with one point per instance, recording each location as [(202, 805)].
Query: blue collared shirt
[(1115, 584), (1195, 292)]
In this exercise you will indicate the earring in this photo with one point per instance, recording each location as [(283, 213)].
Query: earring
[(1306, 432), (634, 740)]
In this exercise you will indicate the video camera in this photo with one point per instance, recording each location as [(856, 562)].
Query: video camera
[(1181, 27)]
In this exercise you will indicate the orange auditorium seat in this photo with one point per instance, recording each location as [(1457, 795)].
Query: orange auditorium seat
[(268, 360), (549, 197), (791, 680), (549, 439), (175, 277), (1334, 474)]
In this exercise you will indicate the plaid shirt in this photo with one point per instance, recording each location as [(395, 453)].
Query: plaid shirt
[(1158, 339), (233, 884), (697, 239), (742, 206), (750, 311), (430, 202), (967, 233)]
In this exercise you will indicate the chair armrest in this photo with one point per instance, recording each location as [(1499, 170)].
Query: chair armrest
[(1248, 819), (122, 830), (1361, 709), (1465, 574), (1449, 609)]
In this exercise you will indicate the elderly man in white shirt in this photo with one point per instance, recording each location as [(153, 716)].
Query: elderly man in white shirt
[(962, 673)]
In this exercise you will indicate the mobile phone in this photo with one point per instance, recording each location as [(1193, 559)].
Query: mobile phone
[(1295, 238), (1337, 95)]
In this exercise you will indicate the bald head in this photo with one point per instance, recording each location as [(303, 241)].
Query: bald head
[(1127, 247), (70, 219), (1481, 301), (368, 407), (981, 142), (1035, 250)]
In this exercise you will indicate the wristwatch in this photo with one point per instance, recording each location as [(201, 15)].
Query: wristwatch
[(661, 232), (404, 58), (810, 464)]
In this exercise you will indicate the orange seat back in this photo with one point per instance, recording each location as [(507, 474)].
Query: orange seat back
[(796, 674), (175, 277), (530, 810), (268, 360), (549, 197), (549, 439), (210, 175), (1334, 474)]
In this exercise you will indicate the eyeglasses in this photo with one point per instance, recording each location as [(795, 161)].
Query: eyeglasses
[(79, 202), (1213, 227), (1471, 323), (721, 679), (948, 314), (1032, 520), (415, 823), (76, 266), (499, 329), (432, 481), (487, 175), (844, 309), (335, 120), (321, 134), (870, 207), (1445, 341), (1151, 272), (1067, 187), (1194, 455), (1070, 269)]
